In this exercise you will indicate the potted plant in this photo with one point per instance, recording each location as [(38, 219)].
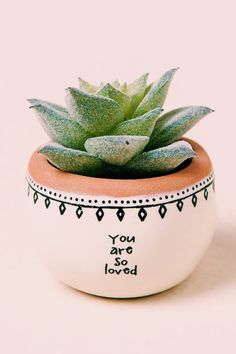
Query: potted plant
[(122, 205)]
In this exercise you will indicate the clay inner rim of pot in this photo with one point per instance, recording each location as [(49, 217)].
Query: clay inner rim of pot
[(49, 176)]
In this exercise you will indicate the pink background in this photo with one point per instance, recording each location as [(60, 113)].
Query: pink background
[(45, 46)]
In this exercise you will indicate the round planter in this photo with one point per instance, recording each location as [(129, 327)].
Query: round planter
[(122, 238)]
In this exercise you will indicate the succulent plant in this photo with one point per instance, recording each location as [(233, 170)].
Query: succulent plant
[(116, 130)]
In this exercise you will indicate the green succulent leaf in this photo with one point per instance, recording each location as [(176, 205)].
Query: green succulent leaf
[(59, 128), (74, 161), (100, 86), (116, 84), (86, 86), (174, 124), (148, 88), (136, 91), (35, 101), (116, 150), (96, 114), (121, 98), (156, 96), (119, 127), (160, 161), (124, 87), (142, 125)]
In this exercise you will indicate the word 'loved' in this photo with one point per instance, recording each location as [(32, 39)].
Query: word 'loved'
[(121, 247)]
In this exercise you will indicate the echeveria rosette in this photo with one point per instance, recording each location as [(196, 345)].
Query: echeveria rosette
[(115, 130)]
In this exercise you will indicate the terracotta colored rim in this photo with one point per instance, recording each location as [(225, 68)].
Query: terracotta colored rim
[(47, 175)]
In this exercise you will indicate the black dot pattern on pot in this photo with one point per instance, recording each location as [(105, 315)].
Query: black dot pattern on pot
[(162, 198)]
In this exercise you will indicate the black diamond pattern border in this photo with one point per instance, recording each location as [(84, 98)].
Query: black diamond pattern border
[(142, 214), (79, 212), (180, 205), (213, 185), (62, 208), (120, 213), (36, 197), (206, 193), (47, 202), (99, 214), (162, 210), (194, 200)]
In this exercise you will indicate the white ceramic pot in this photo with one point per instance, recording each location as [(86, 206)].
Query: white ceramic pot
[(122, 238)]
